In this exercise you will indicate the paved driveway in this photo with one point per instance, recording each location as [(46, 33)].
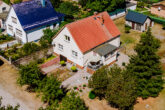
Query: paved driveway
[(77, 79)]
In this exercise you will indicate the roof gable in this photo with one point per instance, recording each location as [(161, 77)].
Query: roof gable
[(90, 32), (136, 17), (31, 14)]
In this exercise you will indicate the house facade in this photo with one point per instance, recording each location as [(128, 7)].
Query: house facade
[(4, 7), (138, 21), (26, 21), (159, 10), (90, 42)]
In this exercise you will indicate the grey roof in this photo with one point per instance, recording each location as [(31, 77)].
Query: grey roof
[(129, 4), (3, 15), (136, 17), (105, 49)]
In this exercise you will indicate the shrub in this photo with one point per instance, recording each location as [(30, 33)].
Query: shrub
[(1, 62), (127, 29), (84, 85), (74, 68), (123, 64), (62, 63), (163, 26), (92, 95), (75, 88)]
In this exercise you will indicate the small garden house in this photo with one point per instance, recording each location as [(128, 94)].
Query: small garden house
[(27, 20), (138, 21)]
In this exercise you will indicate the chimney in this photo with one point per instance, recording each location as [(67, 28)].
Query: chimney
[(43, 3), (95, 13)]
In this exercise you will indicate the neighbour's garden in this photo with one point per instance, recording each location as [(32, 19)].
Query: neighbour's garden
[(5, 38)]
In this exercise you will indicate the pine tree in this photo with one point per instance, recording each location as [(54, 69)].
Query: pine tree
[(146, 66)]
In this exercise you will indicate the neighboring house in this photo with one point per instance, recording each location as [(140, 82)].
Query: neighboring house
[(92, 42), (158, 9), (27, 20), (131, 6), (4, 7), (3, 17), (138, 21)]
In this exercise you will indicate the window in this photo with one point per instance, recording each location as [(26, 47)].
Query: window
[(60, 47), (4, 9), (67, 38), (74, 54), (10, 27), (14, 20), (19, 32)]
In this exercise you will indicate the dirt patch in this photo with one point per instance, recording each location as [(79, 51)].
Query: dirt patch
[(8, 81), (62, 73), (97, 104)]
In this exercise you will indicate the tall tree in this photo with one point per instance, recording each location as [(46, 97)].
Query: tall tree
[(121, 89), (146, 66), (99, 82), (72, 102)]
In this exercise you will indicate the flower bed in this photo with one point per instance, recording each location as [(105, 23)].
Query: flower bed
[(5, 38)]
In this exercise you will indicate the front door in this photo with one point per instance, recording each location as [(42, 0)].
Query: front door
[(146, 26), (63, 58), (133, 25)]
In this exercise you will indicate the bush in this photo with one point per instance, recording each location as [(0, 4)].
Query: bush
[(92, 95), (163, 26), (62, 63), (84, 85), (1, 62), (74, 68), (127, 29), (75, 88), (123, 64)]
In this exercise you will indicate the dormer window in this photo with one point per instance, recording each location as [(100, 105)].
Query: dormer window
[(67, 38), (159, 8)]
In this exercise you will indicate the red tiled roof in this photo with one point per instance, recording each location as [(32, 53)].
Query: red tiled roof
[(89, 32), (0, 2)]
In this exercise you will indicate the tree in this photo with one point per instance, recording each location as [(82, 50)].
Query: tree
[(146, 66), (72, 102), (30, 47), (51, 90), (55, 3), (7, 1), (68, 8), (30, 74), (9, 107), (121, 89), (99, 82)]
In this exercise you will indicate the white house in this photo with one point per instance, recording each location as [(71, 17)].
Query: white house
[(4, 7), (27, 20), (90, 42), (138, 21)]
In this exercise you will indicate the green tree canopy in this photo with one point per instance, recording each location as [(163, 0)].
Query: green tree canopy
[(117, 85), (146, 66), (51, 90), (68, 8), (72, 102), (30, 74)]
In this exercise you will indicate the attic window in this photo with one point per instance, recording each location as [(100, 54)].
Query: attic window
[(67, 38), (14, 20)]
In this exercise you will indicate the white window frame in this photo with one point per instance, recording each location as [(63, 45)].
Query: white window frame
[(74, 54), (18, 32), (60, 47), (14, 20), (67, 38), (10, 27)]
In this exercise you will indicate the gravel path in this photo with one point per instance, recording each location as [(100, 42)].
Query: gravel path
[(7, 98)]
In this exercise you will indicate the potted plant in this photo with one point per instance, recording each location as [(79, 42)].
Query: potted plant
[(74, 68), (62, 63)]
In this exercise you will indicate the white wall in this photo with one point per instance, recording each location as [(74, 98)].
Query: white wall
[(67, 47), (36, 34), (132, 7), (4, 5), (118, 15), (15, 25)]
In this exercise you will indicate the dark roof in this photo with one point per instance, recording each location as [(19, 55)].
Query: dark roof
[(105, 49), (129, 4), (136, 17), (3, 15), (31, 14)]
